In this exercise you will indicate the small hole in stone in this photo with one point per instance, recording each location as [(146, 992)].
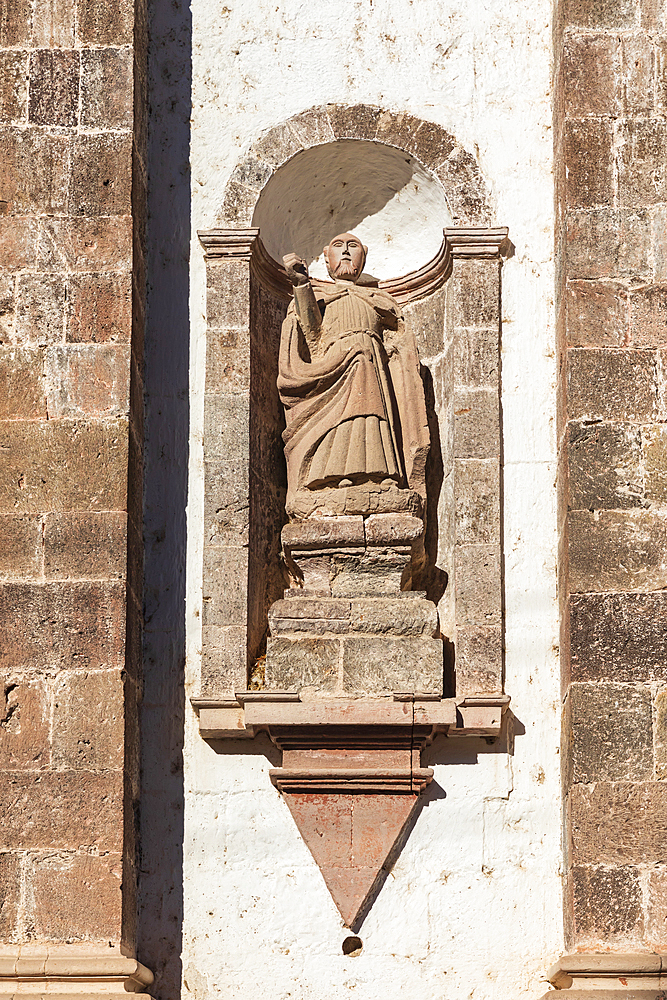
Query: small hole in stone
[(352, 946)]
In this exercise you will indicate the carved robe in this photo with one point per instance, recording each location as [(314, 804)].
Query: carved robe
[(346, 406)]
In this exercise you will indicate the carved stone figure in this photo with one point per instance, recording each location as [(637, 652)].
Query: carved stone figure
[(357, 438)]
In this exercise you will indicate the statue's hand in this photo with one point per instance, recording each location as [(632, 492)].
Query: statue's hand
[(297, 269)]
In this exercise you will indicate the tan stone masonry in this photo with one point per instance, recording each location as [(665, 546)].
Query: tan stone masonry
[(72, 196)]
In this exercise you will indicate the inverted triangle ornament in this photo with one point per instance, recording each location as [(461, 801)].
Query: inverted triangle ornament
[(351, 817)]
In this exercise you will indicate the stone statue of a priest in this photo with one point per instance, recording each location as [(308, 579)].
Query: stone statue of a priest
[(357, 438)]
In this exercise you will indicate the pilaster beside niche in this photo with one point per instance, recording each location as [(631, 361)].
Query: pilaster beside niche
[(353, 641)]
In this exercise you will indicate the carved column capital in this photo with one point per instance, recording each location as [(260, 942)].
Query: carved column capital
[(238, 244), (473, 241)]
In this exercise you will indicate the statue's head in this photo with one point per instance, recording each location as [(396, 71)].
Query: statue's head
[(345, 257)]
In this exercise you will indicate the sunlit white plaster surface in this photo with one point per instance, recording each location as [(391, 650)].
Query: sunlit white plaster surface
[(472, 909)]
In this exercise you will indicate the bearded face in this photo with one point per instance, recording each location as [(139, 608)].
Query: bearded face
[(345, 257)]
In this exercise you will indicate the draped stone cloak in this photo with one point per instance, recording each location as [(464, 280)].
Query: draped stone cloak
[(355, 408)]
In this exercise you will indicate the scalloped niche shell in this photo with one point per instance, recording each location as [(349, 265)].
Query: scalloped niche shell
[(382, 194)]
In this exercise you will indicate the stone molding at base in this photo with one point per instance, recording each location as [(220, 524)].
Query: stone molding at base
[(607, 976), (74, 973)]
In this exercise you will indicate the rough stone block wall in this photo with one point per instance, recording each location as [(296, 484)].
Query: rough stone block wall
[(611, 156), (72, 190)]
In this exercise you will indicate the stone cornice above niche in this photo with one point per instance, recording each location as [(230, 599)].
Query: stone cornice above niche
[(464, 242)]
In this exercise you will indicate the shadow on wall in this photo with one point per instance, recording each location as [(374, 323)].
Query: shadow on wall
[(165, 496)]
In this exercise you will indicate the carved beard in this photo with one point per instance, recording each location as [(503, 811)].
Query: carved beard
[(345, 269)]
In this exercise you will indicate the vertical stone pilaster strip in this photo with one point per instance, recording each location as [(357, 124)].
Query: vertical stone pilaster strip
[(477, 433), (135, 473), (226, 460)]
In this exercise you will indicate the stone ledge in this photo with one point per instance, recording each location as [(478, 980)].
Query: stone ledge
[(613, 993), (255, 711), (608, 976), (76, 973)]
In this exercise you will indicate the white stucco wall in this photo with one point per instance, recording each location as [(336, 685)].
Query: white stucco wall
[(473, 906)]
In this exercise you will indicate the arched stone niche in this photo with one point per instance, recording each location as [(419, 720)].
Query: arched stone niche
[(432, 146), (400, 181)]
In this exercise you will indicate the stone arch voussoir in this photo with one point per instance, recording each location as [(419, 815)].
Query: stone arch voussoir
[(456, 169)]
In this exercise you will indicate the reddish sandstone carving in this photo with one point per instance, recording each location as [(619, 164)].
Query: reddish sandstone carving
[(351, 790), (354, 402)]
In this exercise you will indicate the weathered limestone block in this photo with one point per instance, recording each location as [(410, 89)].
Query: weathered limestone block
[(392, 529), (88, 721), (224, 658), (612, 385), (648, 316), (10, 892), (477, 581), (661, 734), (306, 662), (409, 615), (641, 175), (607, 905), (61, 883), (618, 637), (477, 501), (372, 572), (324, 533), (312, 615), (588, 162), (597, 314), (62, 810), (479, 659), (618, 550), (609, 243), (619, 822), (591, 69), (381, 664), (54, 87), (476, 423), (654, 449), (605, 466), (25, 708), (101, 105), (611, 732), (656, 909)]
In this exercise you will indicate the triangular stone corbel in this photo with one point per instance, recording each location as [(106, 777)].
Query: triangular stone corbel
[(351, 774), (353, 789)]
